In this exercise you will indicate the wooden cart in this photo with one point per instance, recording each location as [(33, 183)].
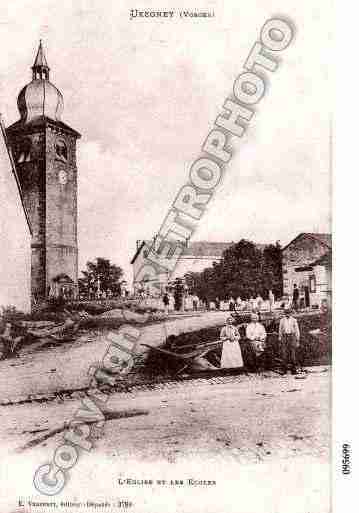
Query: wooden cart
[(187, 358)]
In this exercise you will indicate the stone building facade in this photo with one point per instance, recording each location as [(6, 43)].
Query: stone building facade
[(44, 151), (306, 262)]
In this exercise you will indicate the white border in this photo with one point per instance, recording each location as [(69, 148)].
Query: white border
[(346, 259)]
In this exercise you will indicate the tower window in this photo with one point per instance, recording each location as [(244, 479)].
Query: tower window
[(24, 151), (61, 150)]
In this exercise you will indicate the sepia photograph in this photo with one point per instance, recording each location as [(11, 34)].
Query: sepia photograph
[(166, 257)]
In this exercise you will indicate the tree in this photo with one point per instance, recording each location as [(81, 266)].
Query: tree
[(244, 271), (272, 269), (101, 273), (241, 270)]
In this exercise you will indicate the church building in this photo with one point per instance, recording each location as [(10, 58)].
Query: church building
[(43, 148)]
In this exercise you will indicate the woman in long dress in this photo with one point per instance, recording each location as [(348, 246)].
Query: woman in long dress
[(171, 305), (231, 351)]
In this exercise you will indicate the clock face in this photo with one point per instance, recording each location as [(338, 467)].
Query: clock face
[(63, 178)]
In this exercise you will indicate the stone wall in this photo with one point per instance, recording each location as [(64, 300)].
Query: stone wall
[(61, 207)]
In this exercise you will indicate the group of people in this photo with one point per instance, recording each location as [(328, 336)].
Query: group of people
[(289, 337), (189, 302), (193, 302), (98, 294), (239, 304)]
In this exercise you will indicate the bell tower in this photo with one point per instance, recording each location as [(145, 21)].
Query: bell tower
[(44, 151)]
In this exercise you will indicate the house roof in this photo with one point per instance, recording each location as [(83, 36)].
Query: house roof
[(198, 249), (207, 249), (195, 249), (324, 238)]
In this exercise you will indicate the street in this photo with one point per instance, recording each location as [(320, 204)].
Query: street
[(264, 440)]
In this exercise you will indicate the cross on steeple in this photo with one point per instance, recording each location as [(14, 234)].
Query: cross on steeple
[(40, 69)]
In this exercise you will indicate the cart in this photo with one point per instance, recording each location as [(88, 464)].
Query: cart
[(187, 358)]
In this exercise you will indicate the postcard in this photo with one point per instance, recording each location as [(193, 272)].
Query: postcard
[(166, 262)]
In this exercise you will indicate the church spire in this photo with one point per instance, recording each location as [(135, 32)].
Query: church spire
[(40, 69)]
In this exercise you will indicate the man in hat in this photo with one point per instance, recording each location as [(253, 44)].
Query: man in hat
[(256, 334), (289, 336)]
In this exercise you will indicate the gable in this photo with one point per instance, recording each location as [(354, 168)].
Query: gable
[(325, 239), (303, 251)]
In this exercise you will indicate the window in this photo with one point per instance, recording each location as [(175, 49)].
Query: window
[(312, 284), (24, 151), (61, 150)]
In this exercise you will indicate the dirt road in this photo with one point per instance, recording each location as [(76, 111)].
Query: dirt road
[(263, 441)]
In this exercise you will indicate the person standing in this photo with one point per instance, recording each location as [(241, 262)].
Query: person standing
[(295, 297), (171, 304), (239, 303), (252, 304), (166, 302), (259, 302), (289, 337), (231, 351), (188, 302), (271, 300), (256, 334), (195, 300)]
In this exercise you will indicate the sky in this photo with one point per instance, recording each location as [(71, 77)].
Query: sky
[(144, 94)]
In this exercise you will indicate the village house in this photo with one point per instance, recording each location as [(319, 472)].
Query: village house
[(15, 254), (196, 257), (306, 262)]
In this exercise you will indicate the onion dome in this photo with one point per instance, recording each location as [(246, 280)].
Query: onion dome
[(40, 97)]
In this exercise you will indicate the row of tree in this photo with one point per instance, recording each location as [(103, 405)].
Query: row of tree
[(244, 270)]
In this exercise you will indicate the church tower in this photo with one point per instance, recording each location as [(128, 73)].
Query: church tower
[(44, 151)]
